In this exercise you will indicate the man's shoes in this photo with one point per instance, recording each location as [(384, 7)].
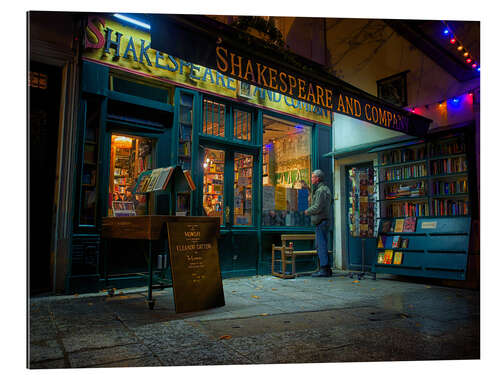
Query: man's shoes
[(324, 271)]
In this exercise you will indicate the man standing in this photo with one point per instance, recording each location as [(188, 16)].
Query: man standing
[(320, 217)]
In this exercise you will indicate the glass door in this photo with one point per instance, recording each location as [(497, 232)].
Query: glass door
[(213, 183), (228, 186), (243, 189)]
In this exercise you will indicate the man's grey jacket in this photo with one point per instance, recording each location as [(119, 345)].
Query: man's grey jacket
[(320, 203)]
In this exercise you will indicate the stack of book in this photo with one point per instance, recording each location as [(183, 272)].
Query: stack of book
[(402, 191)]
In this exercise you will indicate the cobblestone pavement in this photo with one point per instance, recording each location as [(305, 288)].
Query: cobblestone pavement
[(265, 320)]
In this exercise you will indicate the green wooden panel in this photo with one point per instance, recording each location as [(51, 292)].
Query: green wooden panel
[(95, 78)]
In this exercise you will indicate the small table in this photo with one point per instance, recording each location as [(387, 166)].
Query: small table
[(147, 227)]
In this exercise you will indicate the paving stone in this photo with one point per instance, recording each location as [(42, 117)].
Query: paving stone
[(94, 340), (45, 350), (95, 357), (51, 364), (202, 354), (42, 329), (148, 361)]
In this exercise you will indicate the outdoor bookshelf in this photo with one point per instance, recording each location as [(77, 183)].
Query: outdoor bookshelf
[(437, 248), (429, 182)]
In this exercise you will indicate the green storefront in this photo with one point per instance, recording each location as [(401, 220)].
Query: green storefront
[(250, 151)]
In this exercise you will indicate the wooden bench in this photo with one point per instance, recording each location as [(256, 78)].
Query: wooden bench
[(288, 255)]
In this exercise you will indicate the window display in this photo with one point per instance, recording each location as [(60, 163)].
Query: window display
[(213, 183), (286, 173), (130, 156)]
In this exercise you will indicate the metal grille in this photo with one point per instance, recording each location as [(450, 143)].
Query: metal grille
[(214, 118), (242, 125)]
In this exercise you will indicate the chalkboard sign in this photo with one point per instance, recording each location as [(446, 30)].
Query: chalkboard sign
[(194, 258)]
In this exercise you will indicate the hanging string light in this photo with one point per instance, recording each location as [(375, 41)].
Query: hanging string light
[(469, 59), (455, 100)]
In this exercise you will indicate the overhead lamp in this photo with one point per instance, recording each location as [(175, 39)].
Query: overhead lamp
[(133, 21)]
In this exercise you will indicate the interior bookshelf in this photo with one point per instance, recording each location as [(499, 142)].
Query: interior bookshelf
[(184, 154), (185, 131)]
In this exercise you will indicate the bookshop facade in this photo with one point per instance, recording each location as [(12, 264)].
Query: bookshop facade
[(250, 151)]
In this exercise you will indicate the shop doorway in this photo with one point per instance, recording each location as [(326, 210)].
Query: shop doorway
[(44, 96), (229, 192), (228, 187), (360, 211)]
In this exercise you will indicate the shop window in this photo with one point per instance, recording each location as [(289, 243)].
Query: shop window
[(88, 201), (214, 118), (242, 125), (130, 156), (286, 173), (213, 183), (243, 166)]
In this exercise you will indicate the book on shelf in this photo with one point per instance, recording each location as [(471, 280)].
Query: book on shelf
[(396, 242), (404, 243), (189, 178), (381, 241), (388, 256), (163, 178), (410, 224), (398, 226), (398, 257), (380, 257), (158, 179), (386, 226), (155, 174), (143, 183), (123, 208)]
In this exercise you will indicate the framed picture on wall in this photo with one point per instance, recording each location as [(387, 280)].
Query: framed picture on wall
[(394, 89)]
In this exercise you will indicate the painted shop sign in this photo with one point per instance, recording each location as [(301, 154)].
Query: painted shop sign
[(247, 70), (224, 53), (113, 44)]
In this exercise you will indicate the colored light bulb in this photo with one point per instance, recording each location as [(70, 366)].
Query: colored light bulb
[(460, 48), (474, 65), (466, 54), (468, 61), (446, 31), (453, 40)]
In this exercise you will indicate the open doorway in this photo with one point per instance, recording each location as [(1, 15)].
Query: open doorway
[(44, 96)]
